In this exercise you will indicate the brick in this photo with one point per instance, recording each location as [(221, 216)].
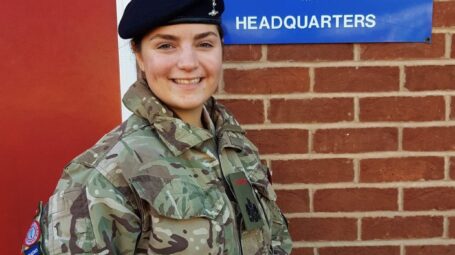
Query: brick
[(355, 140), (311, 110), (429, 139), (452, 168), (452, 227), (453, 46), (443, 14), (246, 111), (402, 227), (293, 201), (361, 79), (421, 78), (452, 108), (267, 80), (323, 229), (365, 250), (312, 171), (280, 140), (354, 200), (302, 251), (310, 52), (242, 52), (402, 108), (425, 199), (430, 250), (401, 169), (395, 51)]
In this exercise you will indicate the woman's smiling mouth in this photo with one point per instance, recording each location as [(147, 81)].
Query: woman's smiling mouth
[(187, 81)]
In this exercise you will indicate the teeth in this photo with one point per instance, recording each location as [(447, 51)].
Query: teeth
[(187, 81)]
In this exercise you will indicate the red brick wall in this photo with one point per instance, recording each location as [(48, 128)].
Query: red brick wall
[(360, 139)]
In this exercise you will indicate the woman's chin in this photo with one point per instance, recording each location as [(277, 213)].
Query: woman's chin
[(187, 105)]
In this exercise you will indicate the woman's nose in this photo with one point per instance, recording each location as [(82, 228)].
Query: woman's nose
[(188, 59)]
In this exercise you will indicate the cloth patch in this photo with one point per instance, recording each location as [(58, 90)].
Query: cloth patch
[(34, 250), (247, 201), (33, 234)]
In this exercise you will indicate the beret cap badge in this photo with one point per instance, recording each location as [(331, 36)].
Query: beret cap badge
[(213, 12)]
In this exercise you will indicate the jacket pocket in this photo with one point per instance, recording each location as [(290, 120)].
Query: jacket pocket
[(179, 197), (70, 228), (186, 218)]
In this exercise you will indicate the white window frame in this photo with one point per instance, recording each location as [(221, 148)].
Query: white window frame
[(127, 61)]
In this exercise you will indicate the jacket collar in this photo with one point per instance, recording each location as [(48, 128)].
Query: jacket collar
[(177, 135)]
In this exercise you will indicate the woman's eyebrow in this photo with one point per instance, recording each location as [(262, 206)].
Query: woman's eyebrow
[(175, 38), (203, 35), (163, 36)]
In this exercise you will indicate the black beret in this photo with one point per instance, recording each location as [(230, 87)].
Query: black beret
[(141, 16)]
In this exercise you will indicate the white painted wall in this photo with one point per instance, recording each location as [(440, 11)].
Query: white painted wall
[(128, 72)]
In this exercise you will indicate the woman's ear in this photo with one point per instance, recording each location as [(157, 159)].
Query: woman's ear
[(140, 61)]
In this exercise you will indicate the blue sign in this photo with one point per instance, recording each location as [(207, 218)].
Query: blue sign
[(326, 21)]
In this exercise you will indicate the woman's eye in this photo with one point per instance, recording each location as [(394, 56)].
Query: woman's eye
[(165, 46), (206, 45)]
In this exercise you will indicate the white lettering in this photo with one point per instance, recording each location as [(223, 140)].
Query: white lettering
[(252, 22), (371, 21), (337, 19), (359, 20), (299, 23), (290, 25), (325, 21), (314, 22), (305, 22), (276, 25), (264, 23), (34, 252), (348, 20), (238, 23)]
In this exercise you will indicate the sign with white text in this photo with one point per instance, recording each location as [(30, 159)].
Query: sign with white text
[(326, 21)]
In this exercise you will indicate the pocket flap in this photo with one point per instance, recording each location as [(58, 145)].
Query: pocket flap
[(179, 197)]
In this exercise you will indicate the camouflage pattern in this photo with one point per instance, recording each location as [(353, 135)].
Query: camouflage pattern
[(156, 185)]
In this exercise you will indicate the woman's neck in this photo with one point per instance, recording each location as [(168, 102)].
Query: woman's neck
[(192, 117)]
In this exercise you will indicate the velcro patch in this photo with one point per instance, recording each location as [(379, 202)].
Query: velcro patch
[(247, 201)]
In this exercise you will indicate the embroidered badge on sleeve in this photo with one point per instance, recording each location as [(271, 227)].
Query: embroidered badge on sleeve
[(33, 234)]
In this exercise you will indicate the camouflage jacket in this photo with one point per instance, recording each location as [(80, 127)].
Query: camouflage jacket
[(156, 185)]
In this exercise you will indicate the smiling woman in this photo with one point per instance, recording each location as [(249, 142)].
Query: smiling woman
[(177, 177), (182, 65)]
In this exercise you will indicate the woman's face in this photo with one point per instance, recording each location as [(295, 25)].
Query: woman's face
[(182, 64)]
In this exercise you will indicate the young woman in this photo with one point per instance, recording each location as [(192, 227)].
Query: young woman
[(179, 176)]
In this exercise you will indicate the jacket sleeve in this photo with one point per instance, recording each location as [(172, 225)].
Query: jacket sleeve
[(87, 214), (281, 239)]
